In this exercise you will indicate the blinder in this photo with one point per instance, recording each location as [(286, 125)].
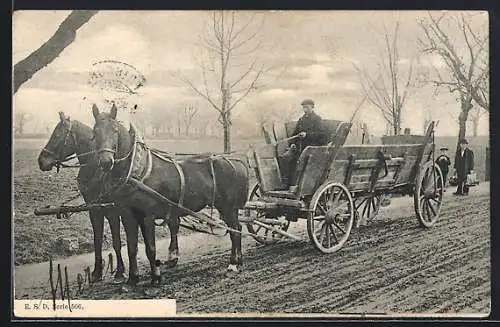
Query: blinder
[(58, 152)]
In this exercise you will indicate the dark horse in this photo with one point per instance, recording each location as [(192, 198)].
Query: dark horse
[(73, 137), (197, 182)]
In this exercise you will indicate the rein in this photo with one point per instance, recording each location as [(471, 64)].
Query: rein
[(60, 162)]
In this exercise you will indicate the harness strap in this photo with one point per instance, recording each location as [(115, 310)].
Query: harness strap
[(212, 170), (181, 177)]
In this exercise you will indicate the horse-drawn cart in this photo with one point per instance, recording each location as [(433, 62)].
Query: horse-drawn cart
[(338, 187)]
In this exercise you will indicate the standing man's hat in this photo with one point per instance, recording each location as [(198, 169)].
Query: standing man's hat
[(463, 141), (444, 148), (306, 102)]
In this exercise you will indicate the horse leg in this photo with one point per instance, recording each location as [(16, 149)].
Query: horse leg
[(148, 233), (236, 260), (173, 248), (131, 230), (97, 221), (114, 225)]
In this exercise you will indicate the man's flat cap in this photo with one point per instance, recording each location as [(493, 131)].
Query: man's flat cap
[(306, 102), (444, 148)]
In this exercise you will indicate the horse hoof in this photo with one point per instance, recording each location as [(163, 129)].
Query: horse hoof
[(119, 280), (126, 288), (232, 270), (171, 263), (151, 291), (155, 280), (96, 278)]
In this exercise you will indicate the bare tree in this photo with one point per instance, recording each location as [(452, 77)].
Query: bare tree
[(187, 115), (465, 74), (21, 118), (50, 50), (389, 90), (476, 115), (229, 41)]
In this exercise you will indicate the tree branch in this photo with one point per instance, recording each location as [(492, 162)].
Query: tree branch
[(50, 50)]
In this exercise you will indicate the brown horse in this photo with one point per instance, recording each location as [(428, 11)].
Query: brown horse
[(75, 138), (196, 182)]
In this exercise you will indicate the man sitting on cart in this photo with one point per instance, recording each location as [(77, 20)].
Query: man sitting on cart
[(308, 131)]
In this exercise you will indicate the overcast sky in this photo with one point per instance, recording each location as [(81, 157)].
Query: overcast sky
[(160, 43)]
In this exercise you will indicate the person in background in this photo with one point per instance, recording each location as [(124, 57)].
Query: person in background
[(444, 162), (309, 132), (464, 165)]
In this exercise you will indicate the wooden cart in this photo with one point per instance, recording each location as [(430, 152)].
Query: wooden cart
[(338, 186)]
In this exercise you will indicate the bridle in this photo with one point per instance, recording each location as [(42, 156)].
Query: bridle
[(113, 150), (58, 152)]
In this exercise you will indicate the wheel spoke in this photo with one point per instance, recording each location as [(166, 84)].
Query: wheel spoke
[(343, 231), (427, 210), (322, 208), (258, 229), (437, 201), (319, 218), (360, 203), (337, 198), (432, 209), (369, 210), (364, 211), (330, 228), (322, 234)]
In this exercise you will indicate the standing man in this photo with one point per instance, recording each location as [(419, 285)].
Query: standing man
[(443, 161), (464, 164), (309, 132)]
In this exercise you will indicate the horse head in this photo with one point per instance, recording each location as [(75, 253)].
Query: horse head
[(61, 144), (112, 141)]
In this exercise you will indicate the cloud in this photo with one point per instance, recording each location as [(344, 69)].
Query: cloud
[(342, 74)]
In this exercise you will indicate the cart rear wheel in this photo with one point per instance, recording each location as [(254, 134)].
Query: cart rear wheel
[(331, 218), (367, 208), (428, 195), (264, 235)]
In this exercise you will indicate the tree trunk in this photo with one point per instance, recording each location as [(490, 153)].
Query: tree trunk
[(20, 129), (466, 106), (475, 126), (227, 134), (50, 50)]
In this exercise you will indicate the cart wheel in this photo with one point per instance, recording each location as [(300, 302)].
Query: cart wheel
[(428, 195), (367, 208), (331, 218), (264, 235)]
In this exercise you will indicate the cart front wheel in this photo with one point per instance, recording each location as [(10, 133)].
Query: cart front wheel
[(331, 217), (262, 234), (428, 195)]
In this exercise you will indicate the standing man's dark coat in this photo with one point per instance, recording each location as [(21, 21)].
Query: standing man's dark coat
[(444, 162), (464, 164)]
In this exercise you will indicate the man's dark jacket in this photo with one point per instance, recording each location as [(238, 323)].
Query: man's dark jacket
[(443, 162), (464, 164), (312, 125)]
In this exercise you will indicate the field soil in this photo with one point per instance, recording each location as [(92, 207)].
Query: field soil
[(392, 265)]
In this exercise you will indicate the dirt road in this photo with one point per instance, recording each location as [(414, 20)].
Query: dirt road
[(392, 265)]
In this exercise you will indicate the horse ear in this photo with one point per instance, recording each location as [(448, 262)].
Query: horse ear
[(95, 111), (114, 111), (62, 116)]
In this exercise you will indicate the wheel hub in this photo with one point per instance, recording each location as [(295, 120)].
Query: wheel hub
[(332, 215)]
